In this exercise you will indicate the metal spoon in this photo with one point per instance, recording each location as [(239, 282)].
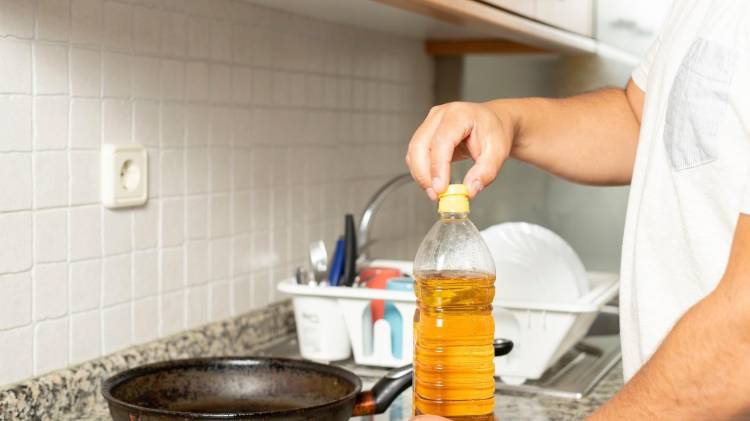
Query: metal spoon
[(319, 260)]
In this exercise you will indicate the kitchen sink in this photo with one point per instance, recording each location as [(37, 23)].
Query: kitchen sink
[(607, 322), (583, 366)]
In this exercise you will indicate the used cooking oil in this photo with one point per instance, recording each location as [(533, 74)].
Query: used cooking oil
[(453, 324)]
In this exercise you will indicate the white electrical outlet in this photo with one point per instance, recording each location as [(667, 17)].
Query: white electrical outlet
[(124, 175)]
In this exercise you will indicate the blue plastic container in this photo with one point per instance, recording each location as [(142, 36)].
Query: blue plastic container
[(393, 316)]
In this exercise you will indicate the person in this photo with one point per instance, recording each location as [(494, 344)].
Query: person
[(679, 134)]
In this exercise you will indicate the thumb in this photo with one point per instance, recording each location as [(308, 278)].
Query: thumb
[(483, 172)]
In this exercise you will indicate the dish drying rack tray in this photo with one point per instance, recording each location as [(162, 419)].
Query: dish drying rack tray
[(371, 343)]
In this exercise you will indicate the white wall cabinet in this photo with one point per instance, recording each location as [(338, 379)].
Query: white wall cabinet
[(572, 15), (630, 25), (622, 30)]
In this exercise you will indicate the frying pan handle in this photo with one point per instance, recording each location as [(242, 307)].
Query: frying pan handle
[(382, 394), (502, 346)]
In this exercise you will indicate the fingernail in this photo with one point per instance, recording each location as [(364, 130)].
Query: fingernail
[(436, 184), (431, 193), (476, 186)]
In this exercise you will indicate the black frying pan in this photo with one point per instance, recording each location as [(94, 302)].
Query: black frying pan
[(241, 388)]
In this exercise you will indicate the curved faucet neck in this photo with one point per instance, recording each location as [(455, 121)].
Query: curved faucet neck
[(365, 222)]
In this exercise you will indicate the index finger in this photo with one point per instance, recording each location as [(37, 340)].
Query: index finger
[(418, 155), (451, 131)]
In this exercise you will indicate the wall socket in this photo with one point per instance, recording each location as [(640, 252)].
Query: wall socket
[(124, 175)]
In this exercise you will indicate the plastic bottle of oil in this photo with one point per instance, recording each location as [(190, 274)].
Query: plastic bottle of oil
[(453, 325)]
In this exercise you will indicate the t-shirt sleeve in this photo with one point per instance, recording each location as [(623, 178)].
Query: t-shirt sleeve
[(745, 200), (640, 73)]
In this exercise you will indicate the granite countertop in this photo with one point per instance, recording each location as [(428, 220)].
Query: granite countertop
[(74, 393)]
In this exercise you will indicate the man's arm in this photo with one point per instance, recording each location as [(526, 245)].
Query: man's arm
[(702, 369), (589, 138)]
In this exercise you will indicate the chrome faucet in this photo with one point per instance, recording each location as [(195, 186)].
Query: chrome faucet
[(365, 222)]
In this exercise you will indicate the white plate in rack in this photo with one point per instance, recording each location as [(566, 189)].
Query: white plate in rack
[(533, 263)]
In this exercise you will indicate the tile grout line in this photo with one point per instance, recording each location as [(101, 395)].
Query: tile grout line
[(68, 232), (32, 270)]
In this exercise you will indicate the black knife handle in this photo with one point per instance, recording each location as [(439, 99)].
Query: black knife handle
[(350, 252)]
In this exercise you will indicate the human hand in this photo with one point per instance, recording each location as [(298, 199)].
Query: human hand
[(456, 131)]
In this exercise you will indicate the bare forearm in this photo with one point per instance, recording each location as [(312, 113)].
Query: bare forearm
[(700, 371), (589, 138)]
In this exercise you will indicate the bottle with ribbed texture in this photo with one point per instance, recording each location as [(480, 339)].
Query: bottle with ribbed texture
[(453, 325)]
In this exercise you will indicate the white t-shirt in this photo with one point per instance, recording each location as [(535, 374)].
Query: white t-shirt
[(691, 169)]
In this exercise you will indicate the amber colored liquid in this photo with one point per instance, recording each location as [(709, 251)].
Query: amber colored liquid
[(453, 352)]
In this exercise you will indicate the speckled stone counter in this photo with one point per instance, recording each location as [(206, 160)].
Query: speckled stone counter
[(74, 393)]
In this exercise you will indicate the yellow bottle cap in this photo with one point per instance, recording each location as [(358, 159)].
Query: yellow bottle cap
[(454, 199)]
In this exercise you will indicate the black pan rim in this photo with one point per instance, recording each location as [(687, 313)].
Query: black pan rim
[(118, 379)]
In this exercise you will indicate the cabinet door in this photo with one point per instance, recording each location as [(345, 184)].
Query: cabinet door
[(573, 15), (631, 25), (522, 7)]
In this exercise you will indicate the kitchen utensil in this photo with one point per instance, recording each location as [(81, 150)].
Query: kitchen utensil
[(533, 263), (337, 263), (304, 277), (299, 276), (393, 316), (319, 260), (377, 277), (247, 388), (350, 253), (321, 329)]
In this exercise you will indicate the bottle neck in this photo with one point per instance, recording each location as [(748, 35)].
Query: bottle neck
[(453, 216)]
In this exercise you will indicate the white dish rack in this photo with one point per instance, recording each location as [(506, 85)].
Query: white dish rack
[(541, 331), (370, 343)]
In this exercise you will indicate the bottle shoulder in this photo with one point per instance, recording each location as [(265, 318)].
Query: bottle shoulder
[(454, 245)]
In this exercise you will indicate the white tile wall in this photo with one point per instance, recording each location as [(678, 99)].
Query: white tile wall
[(51, 122), (50, 179), (18, 343), (50, 290), (50, 68), (51, 344), (15, 300), (50, 236), (145, 313), (85, 285), (52, 19), (15, 118), (17, 195), (15, 69), (85, 336), (263, 130)]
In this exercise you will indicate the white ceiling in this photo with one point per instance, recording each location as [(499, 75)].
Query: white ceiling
[(374, 15)]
